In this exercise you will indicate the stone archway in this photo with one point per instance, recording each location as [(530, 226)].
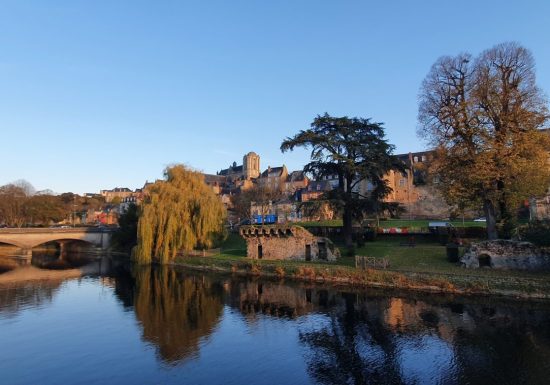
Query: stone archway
[(484, 260)]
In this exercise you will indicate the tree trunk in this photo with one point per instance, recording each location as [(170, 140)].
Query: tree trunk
[(348, 215), (348, 228), (489, 210), (502, 206)]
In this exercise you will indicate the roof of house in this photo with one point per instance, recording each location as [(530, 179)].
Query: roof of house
[(232, 170), (296, 176), (409, 157), (118, 189), (273, 172), (209, 178)]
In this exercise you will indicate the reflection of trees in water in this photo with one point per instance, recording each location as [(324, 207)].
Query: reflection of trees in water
[(351, 349), (508, 345), (14, 298), (367, 340), (176, 310)]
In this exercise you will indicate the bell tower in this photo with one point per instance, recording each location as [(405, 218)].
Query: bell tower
[(251, 165)]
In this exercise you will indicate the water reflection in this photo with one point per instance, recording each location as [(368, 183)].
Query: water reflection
[(380, 340), (53, 260), (13, 299), (338, 335), (176, 310)]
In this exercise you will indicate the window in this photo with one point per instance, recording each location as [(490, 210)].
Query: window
[(423, 158), (415, 159), (401, 182)]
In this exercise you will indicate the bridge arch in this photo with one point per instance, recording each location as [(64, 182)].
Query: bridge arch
[(63, 240), (29, 238), (10, 242)]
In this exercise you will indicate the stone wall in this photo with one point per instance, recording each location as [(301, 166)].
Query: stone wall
[(503, 254), (287, 242)]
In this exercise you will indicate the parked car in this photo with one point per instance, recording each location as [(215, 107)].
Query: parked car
[(482, 219), (440, 224)]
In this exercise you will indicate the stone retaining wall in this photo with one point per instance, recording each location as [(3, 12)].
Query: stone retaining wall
[(504, 254)]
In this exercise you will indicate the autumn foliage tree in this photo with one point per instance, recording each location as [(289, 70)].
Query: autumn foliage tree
[(179, 213), (483, 116)]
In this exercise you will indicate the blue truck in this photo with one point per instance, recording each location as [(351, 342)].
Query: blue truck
[(266, 220)]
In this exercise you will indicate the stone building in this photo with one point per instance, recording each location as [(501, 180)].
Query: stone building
[(251, 165), (250, 169), (314, 190), (117, 192), (410, 189), (274, 177), (296, 181), (540, 207), (506, 254), (287, 242)]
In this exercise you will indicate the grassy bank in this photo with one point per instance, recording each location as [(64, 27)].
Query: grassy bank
[(423, 268), (387, 223)]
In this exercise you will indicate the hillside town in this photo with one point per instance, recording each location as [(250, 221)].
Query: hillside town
[(275, 192), (413, 191)]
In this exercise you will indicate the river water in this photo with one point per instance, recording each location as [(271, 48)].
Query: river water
[(120, 324)]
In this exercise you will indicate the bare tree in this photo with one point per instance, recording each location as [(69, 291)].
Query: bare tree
[(483, 117), (261, 195), (12, 205)]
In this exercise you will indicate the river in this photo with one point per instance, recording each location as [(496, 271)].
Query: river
[(119, 324)]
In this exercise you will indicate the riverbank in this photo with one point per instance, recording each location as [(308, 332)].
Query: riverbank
[(468, 283)]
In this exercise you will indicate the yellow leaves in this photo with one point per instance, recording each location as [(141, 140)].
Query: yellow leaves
[(179, 214)]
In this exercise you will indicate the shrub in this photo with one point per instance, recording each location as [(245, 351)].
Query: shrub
[(537, 232), (305, 272), (280, 271), (255, 268)]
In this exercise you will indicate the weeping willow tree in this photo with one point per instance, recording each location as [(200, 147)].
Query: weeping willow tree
[(179, 213)]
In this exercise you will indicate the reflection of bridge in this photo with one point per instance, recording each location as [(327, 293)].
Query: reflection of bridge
[(28, 238)]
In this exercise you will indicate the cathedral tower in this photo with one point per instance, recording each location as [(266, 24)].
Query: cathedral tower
[(251, 165)]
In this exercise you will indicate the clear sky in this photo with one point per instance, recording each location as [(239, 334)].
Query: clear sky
[(99, 94)]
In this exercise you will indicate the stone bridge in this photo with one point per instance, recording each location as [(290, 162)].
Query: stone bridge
[(27, 238)]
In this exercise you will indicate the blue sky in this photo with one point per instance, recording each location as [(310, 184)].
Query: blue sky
[(98, 94)]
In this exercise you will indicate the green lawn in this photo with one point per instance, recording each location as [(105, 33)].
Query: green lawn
[(426, 263), (426, 256), (233, 246), (328, 223), (424, 223), (395, 223)]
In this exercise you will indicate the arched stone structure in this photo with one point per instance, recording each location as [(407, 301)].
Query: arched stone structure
[(27, 238)]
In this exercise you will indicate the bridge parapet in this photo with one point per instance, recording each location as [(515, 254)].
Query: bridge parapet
[(27, 238)]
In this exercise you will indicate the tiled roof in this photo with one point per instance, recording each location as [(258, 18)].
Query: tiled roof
[(272, 172), (296, 176)]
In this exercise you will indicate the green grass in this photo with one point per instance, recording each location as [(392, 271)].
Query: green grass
[(425, 222), (427, 261), (425, 265), (327, 223), (394, 223), (426, 256), (233, 246)]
